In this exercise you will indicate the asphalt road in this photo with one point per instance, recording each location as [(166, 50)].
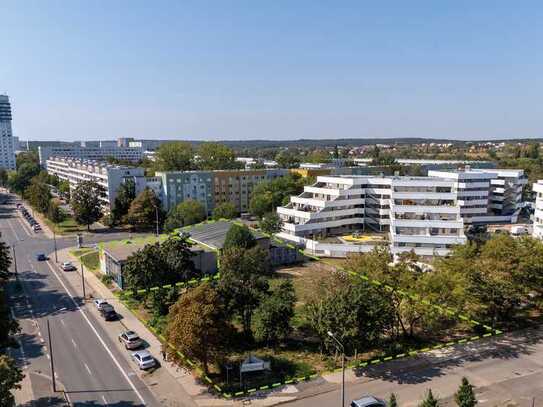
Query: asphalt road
[(88, 366)]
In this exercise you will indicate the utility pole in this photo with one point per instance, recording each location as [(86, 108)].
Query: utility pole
[(83, 281), (14, 258), (342, 348), (55, 240), (51, 359)]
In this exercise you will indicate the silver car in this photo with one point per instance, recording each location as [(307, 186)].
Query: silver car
[(368, 401), (130, 340), (144, 359)]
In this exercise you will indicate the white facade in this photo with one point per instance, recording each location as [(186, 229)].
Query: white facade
[(7, 148), (110, 177), (538, 213), (416, 213), (90, 153), (487, 195)]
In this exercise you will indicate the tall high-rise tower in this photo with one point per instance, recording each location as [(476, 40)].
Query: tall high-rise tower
[(7, 150)]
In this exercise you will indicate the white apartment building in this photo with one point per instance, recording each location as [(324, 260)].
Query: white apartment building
[(538, 213), (7, 148), (487, 195), (110, 177), (90, 153), (415, 213)]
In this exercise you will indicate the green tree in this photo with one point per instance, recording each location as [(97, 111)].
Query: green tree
[(125, 195), (430, 400), (393, 402), (3, 177), (244, 280), (318, 156), (10, 378), (5, 260), (145, 210), (39, 196), (226, 210), (20, 180), (198, 328), (174, 156), (185, 213), (271, 320), (8, 325), (356, 312), (465, 396), (260, 204), (287, 159), (27, 157), (64, 189), (159, 264), (216, 156), (239, 237), (55, 213), (270, 223), (86, 202)]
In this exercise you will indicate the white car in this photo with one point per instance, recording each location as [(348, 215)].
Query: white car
[(144, 359), (130, 340), (100, 302), (67, 266)]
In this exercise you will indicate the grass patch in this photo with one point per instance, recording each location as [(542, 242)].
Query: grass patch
[(91, 260), (67, 226), (80, 252)]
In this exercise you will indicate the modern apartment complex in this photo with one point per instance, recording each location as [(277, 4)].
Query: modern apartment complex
[(90, 153), (487, 195), (410, 213), (7, 148), (211, 188), (538, 212), (110, 177), (424, 214)]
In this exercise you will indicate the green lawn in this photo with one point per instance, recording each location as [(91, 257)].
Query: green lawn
[(67, 226), (91, 260)]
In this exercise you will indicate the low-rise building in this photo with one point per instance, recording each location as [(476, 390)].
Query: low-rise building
[(113, 257), (213, 235), (109, 176), (538, 211)]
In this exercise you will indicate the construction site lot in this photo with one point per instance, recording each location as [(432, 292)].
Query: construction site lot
[(301, 357)]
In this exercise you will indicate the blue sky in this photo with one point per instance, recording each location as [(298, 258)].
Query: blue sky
[(273, 69)]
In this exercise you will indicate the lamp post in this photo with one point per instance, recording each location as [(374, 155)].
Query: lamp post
[(14, 256), (342, 348), (55, 240), (156, 218)]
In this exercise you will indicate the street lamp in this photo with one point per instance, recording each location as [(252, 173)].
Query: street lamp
[(14, 256), (342, 348), (156, 220)]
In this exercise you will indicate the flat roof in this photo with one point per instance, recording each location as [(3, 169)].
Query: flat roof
[(213, 234)]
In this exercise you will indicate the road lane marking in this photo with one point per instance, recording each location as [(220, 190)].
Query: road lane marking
[(62, 322), (88, 368), (97, 334), (105, 400), (73, 343)]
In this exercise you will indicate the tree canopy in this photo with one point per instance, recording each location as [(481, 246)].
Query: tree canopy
[(144, 210), (125, 195), (185, 213), (239, 236), (86, 202), (174, 156), (216, 156), (198, 327), (225, 210)]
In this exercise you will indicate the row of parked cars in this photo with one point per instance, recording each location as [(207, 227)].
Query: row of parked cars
[(29, 218), (129, 339)]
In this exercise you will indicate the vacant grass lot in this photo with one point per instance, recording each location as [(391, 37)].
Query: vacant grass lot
[(66, 227)]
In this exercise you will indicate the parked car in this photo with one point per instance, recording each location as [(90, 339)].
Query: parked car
[(19, 206), (368, 401), (144, 359), (67, 266), (99, 302), (519, 230), (36, 228), (41, 257), (130, 340), (108, 312)]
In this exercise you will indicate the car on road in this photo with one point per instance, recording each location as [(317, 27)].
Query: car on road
[(368, 401), (67, 266), (41, 257), (36, 228), (99, 302), (130, 340), (144, 359), (108, 312)]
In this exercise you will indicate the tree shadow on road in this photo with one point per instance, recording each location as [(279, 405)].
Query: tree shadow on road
[(428, 366)]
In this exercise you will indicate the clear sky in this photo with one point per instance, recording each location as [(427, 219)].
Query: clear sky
[(272, 69)]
